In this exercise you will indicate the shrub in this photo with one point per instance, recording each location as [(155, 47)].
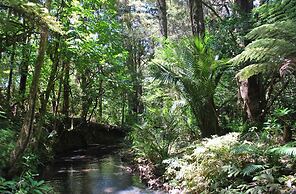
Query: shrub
[(24, 185), (229, 165), (153, 141), (7, 143)]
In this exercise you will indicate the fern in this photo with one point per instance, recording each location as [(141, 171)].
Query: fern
[(246, 149), (2, 115), (284, 151), (191, 66), (252, 168), (273, 43), (281, 30), (231, 170), (278, 10)]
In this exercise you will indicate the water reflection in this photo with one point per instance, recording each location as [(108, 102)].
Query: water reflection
[(92, 171)]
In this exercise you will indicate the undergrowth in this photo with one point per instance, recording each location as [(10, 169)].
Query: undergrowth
[(229, 164), (27, 182)]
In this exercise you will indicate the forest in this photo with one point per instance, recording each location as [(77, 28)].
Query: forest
[(190, 96)]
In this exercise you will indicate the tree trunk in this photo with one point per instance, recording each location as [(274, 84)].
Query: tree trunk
[(101, 93), (197, 18), (252, 95), (27, 126), (245, 6), (123, 109), (86, 101), (24, 67), (207, 118), (45, 95), (66, 92), (24, 73), (61, 81), (51, 81), (8, 94), (162, 6)]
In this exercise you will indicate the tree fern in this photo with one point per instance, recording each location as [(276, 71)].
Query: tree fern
[(281, 30), (273, 42), (191, 65)]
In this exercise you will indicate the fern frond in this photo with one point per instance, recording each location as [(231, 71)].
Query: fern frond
[(283, 9), (252, 168), (278, 10), (265, 50), (279, 30), (254, 69), (2, 115), (273, 47), (285, 151), (246, 149), (231, 170)]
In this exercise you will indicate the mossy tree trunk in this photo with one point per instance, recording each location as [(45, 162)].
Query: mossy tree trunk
[(26, 130), (27, 126)]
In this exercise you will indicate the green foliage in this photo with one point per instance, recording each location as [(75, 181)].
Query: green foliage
[(36, 12), (278, 10), (271, 48), (228, 34), (24, 185), (98, 59), (2, 115), (228, 164), (190, 65), (7, 143), (30, 161), (200, 169), (154, 139), (284, 151)]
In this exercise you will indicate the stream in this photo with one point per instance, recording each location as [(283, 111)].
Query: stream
[(95, 170)]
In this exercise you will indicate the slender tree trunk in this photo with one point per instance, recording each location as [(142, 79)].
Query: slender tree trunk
[(123, 108), (45, 95), (27, 126), (54, 101), (24, 73), (61, 81), (85, 99), (101, 93), (197, 18), (51, 81), (8, 94), (66, 92), (162, 6), (24, 67)]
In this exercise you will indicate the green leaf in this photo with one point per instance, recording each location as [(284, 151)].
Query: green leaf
[(288, 151), (251, 70), (252, 168)]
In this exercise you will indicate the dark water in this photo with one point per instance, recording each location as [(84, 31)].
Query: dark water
[(95, 170)]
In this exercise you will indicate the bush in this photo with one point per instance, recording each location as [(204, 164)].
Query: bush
[(229, 165), (7, 143), (153, 141), (24, 185)]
